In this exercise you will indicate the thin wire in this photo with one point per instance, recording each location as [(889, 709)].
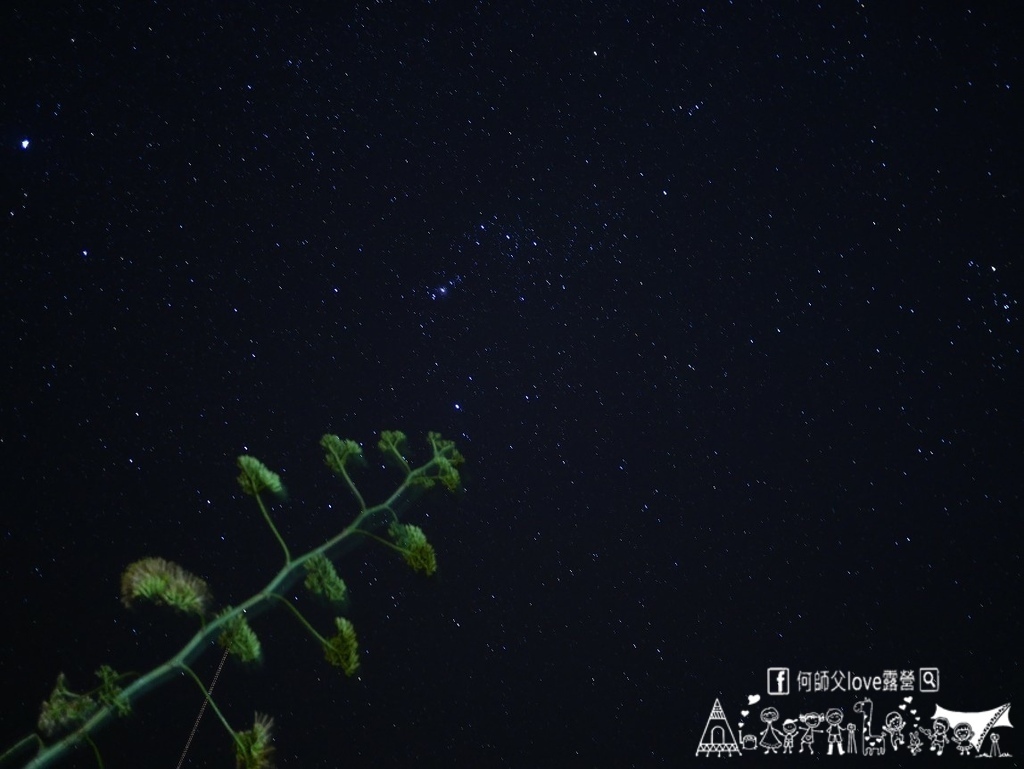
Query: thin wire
[(202, 709)]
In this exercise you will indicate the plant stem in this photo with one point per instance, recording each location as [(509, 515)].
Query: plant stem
[(383, 541), (209, 700), (353, 488), (292, 572), (298, 614), (273, 528)]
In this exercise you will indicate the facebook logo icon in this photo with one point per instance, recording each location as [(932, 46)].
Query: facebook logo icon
[(778, 681)]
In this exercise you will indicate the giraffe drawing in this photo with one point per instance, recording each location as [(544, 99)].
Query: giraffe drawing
[(874, 744)]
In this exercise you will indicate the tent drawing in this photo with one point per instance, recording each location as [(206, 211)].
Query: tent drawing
[(980, 721), (718, 738)]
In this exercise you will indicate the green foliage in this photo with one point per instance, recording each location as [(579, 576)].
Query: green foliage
[(444, 447), (340, 453), (257, 477), (392, 440), (68, 719), (392, 445), (446, 462), (448, 475), (64, 709), (110, 693), (323, 580), (252, 747), (240, 640), (415, 548), (164, 583), (342, 649)]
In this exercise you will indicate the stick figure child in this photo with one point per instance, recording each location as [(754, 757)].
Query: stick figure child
[(938, 734), (894, 725), (811, 722), (788, 735), (962, 736), (834, 719)]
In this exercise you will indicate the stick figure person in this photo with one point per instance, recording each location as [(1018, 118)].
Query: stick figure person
[(937, 734), (788, 735), (770, 736), (834, 719), (894, 725), (962, 736), (811, 722)]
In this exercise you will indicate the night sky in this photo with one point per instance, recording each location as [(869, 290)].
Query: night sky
[(718, 302)]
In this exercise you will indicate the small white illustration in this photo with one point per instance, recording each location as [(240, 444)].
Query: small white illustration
[(963, 733)]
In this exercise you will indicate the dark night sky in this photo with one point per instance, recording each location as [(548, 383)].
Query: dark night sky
[(718, 303)]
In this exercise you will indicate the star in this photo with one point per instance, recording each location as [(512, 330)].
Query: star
[(444, 290)]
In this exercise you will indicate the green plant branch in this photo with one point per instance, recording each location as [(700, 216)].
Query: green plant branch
[(438, 468), (273, 528), (338, 453), (301, 618), (209, 700), (21, 746), (352, 487), (382, 541), (95, 751)]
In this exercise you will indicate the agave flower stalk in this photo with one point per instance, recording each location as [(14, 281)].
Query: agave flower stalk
[(165, 583)]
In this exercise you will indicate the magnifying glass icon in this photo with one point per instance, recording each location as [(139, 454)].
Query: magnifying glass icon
[(930, 680)]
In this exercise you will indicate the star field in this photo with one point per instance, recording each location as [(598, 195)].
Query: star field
[(719, 303)]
